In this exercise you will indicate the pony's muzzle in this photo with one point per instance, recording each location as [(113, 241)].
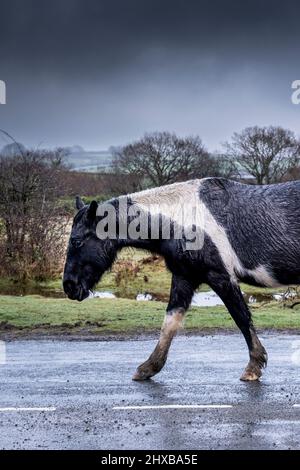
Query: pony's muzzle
[(74, 290)]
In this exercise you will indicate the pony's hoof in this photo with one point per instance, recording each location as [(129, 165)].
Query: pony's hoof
[(141, 375), (250, 376)]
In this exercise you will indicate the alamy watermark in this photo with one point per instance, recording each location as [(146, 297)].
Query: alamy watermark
[(2, 92), (296, 93), (157, 222)]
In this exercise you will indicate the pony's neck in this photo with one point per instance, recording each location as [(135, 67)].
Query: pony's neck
[(124, 238)]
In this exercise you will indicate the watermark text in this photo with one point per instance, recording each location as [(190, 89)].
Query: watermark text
[(156, 222), (296, 94), (2, 92)]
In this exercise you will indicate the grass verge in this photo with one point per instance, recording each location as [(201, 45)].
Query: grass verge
[(124, 316)]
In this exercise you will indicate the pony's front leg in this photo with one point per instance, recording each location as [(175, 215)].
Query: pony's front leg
[(156, 361), (180, 299)]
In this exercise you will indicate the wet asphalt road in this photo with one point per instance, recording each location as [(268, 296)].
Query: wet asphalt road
[(84, 381)]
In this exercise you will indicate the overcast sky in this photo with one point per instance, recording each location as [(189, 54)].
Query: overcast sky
[(102, 72)]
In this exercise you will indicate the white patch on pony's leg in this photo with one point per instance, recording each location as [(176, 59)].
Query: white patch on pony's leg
[(172, 323)]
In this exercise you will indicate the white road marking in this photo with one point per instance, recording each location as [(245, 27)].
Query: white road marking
[(24, 408), (169, 407), (296, 406)]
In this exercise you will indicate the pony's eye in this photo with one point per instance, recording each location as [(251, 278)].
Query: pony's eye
[(76, 243)]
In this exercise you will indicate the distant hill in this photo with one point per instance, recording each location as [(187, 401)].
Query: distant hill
[(93, 160), (78, 158)]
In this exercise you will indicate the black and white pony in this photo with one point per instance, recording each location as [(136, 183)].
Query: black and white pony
[(229, 232)]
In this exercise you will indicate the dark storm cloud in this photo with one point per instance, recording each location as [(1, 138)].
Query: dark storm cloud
[(99, 72), (76, 35)]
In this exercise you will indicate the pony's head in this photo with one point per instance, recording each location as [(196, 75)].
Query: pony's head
[(88, 257)]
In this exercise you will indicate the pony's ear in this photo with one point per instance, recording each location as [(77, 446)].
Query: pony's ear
[(79, 203), (92, 210)]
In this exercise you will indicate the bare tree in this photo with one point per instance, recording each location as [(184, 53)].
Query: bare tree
[(224, 166), (33, 221), (266, 153), (162, 158)]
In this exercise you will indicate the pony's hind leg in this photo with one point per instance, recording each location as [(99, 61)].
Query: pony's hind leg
[(233, 299), (258, 358)]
